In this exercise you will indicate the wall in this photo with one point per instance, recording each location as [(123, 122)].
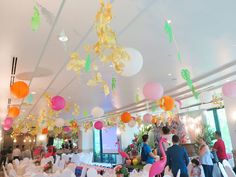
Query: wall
[(230, 109), (87, 141)]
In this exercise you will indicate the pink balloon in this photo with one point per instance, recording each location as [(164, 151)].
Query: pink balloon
[(229, 89), (67, 129), (153, 91), (8, 121), (58, 103), (98, 125), (147, 118), (6, 127)]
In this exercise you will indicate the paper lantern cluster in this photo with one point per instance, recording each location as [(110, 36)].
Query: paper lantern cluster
[(7, 123), (167, 103), (13, 112), (58, 103), (98, 125)]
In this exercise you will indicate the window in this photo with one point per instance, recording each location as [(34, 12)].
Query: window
[(216, 119), (101, 155)]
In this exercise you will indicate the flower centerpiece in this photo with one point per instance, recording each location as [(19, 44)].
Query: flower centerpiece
[(121, 171)]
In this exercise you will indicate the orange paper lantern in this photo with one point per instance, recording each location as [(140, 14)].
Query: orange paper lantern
[(167, 103), (20, 89), (45, 131), (13, 112), (126, 117)]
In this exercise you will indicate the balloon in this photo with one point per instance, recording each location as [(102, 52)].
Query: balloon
[(59, 122), (132, 123), (8, 121), (206, 97), (147, 118), (13, 112), (167, 103), (67, 129), (97, 112), (126, 117), (98, 125), (58, 103), (6, 127), (229, 89), (45, 131), (153, 91), (134, 65), (20, 89), (135, 161)]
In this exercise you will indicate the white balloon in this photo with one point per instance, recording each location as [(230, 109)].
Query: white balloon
[(59, 122), (206, 97), (134, 65), (97, 112), (132, 123)]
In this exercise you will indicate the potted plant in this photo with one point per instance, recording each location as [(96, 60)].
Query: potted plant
[(121, 171)]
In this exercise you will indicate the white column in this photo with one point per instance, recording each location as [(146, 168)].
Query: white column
[(230, 109)]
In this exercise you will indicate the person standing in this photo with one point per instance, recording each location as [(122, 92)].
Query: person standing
[(16, 154), (219, 147), (205, 158), (177, 158), (146, 155), (166, 134), (3, 156)]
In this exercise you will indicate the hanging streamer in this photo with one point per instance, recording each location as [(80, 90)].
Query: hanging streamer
[(35, 20), (88, 63), (168, 31), (179, 57), (113, 83), (154, 107)]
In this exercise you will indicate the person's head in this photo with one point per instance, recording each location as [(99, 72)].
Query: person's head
[(23, 147), (202, 141), (17, 146), (175, 139), (145, 138), (195, 162), (165, 130), (218, 134)]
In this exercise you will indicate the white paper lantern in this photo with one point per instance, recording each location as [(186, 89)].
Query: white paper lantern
[(59, 122), (134, 65), (97, 112)]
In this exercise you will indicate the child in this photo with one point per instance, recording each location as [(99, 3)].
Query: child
[(196, 170)]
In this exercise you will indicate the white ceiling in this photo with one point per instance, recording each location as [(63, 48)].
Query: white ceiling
[(204, 31)]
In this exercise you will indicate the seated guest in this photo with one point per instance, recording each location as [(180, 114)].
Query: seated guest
[(177, 158), (146, 155), (9, 154), (219, 147), (16, 154)]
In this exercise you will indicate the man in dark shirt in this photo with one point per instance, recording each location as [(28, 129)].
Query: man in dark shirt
[(177, 158)]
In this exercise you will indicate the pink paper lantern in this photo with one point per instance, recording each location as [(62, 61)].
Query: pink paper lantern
[(229, 89), (67, 129), (153, 91), (98, 125), (8, 121), (58, 103), (147, 118)]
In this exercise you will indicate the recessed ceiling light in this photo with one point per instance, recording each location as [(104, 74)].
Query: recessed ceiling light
[(69, 97), (33, 93), (62, 37), (169, 74), (23, 110), (169, 21), (227, 80), (111, 65)]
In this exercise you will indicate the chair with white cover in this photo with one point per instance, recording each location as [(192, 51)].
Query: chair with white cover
[(4, 171), (67, 173), (167, 172), (61, 164), (228, 168), (223, 172), (178, 173), (12, 173), (202, 171), (91, 172)]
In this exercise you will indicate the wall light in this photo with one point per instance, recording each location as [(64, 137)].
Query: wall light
[(14, 141)]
